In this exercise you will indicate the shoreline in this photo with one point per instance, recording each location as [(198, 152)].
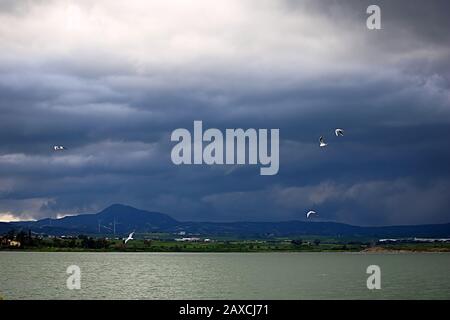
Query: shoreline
[(373, 250)]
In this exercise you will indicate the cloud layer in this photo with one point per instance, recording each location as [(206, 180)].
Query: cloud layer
[(112, 80)]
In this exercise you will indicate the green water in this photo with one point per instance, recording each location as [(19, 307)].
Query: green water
[(36, 275)]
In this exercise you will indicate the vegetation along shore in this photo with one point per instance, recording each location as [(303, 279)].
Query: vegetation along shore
[(166, 243)]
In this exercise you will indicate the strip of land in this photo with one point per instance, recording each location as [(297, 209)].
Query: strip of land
[(90, 244)]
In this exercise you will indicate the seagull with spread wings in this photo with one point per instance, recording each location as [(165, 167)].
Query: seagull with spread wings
[(310, 213), (322, 142), (130, 237)]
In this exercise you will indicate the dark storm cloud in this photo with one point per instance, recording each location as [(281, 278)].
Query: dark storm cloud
[(111, 84)]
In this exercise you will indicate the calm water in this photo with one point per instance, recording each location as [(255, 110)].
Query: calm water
[(224, 275)]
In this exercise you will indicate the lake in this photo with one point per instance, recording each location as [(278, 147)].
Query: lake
[(42, 275)]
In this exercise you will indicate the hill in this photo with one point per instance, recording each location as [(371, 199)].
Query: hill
[(121, 219)]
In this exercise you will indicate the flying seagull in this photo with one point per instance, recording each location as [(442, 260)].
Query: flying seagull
[(322, 142), (59, 148), (130, 237), (310, 213), (339, 132)]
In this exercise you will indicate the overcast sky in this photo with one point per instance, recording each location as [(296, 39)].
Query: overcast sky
[(111, 80)]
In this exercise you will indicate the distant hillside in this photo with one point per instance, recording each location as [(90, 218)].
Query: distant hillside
[(299, 228), (121, 219), (4, 227)]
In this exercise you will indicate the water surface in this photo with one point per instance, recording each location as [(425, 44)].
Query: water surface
[(42, 275)]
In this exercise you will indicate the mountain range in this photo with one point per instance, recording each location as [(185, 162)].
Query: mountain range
[(120, 219)]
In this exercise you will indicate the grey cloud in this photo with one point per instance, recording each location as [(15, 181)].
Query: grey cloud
[(113, 96)]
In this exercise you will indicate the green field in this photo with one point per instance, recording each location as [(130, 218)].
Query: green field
[(162, 243)]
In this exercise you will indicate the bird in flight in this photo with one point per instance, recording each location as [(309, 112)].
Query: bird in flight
[(322, 142), (59, 148), (310, 213), (339, 132), (130, 237)]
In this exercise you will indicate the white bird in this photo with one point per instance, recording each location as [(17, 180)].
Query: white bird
[(310, 213), (59, 148), (130, 237), (339, 132), (322, 142)]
